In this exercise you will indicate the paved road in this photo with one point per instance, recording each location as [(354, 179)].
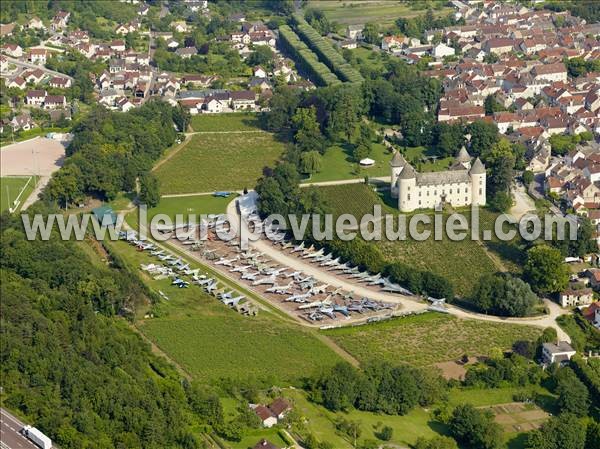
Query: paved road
[(523, 203), (408, 304), (10, 436), (35, 66)]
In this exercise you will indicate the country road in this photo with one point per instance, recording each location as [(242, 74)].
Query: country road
[(29, 65)]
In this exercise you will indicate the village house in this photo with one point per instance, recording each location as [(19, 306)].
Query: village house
[(17, 82), (38, 55), (354, 32), (243, 99), (266, 417), (60, 20), (55, 102), (60, 82), (186, 52), (560, 352), (35, 24), (35, 97), (13, 50), (22, 122), (573, 298)]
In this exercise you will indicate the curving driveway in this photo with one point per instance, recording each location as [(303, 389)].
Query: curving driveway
[(408, 304)]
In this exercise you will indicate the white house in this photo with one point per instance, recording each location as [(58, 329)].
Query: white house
[(572, 298), (35, 97), (265, 416), (557, 353), (13, 50), (442, 50), (354, 32)]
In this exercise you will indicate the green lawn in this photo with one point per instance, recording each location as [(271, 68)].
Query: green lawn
[(251, 437), (338, 163), (381, 12), (212, 162), (428, 339), (210, 341), (236, 121), (10, 189)]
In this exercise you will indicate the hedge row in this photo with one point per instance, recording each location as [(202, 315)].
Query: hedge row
[(323, 48), (305, 58), (589, 373)]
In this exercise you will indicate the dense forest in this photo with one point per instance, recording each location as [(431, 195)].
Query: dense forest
[(111, 149), (68, 365)]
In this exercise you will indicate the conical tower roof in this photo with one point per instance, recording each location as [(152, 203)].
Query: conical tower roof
[(398, 160), (463, 155), (478, 168), (408, 172)]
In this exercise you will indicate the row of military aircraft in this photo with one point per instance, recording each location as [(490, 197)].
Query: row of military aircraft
[(176, 268)]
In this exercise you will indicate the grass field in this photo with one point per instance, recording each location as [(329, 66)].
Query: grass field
[(12, 187), (241, 121), (362, 198), (338, 163), (406, 429), (381, 12), (212, 162), (210, 341), (427, 339)]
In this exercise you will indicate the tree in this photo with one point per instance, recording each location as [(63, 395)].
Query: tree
[(262, 56), (449, 138), (283, 104), (504, 295), (573, 395), (345, 110), (545, 269), (310, 162), (308, 135), (483, 136), (371, 33), (592, 440), (475, 428), (528, 177), (385, 434), (564, 431), (501, 202), (149, 190), (491, 105), (491, 58), (437, 442)]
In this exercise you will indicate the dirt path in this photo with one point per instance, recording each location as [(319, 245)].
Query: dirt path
[(156, 350), (337, 349), (174, 151)]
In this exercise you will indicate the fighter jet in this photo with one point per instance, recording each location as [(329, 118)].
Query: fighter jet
[(240, 268), (298, 298), (340, 267), (192, 273), (157, 252), (293, 274), (300, 247), (249, 276), (313, 255), (391, 287), (286, 245), (205, 281), (315, 316), (223, 295), (327, 311), (175, 262), (180, 283), (341, 309), (319, 289), (226, 262), (322, 258), (276, 272), (310, 305), (265, 281), (211, 287), (352, 271), (165, 257), (183, 267), (372, 280), (232, 302), (280, 289), (329, 263)]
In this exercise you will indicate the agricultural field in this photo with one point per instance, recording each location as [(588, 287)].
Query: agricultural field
[(363, 199), (381, 12), (424, 340), (12, 188), (209, 341), (212, 162), (235, 121)]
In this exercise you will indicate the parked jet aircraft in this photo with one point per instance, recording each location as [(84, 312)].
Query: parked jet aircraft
[(280, 289), (265, 281)]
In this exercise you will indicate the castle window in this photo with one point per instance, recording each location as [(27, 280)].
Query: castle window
[(419, 194), (419, 202), (480, 191), (409, 197), (450, 191)]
